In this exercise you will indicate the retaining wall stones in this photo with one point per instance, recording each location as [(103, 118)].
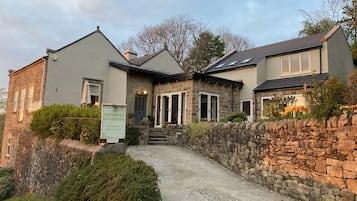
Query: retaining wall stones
[(304, 159)]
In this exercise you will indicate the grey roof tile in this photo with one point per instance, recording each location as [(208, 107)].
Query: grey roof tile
[(259, 53), (289, 82)]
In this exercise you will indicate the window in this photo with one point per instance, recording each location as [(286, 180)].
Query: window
[(246, 107), (170, 108), (8, 147), (94, 91), (16, 99), (265, 101), (30, 99), (20, 115), (209, 107), (295, 63), (91, 92)]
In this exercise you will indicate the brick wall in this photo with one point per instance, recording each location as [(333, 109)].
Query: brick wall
[(304, 159), (24, 79)]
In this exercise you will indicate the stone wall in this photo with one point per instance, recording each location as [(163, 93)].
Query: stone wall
[(41, 164), (304, 159)]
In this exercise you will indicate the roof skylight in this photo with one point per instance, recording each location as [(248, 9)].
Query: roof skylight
[(233, 62), (220, 65), (246, 60)]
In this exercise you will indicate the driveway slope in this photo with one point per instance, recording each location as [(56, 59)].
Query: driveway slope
[(187, 176)]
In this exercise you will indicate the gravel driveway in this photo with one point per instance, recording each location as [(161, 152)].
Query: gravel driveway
[(187, 176)]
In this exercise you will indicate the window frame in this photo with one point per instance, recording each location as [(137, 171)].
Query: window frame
[(21, 110), (262, 105), (8, 147), (16, 100), (209, 95), (290, 56)]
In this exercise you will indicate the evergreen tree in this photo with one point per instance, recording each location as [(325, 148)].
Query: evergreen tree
[(207, 48)]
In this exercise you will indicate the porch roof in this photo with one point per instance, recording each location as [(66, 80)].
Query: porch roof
[(198, 76), (289, 82)]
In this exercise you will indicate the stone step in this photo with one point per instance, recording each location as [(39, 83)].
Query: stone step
[(157, 142)]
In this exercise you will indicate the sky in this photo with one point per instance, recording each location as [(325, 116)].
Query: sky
[(29, 27)]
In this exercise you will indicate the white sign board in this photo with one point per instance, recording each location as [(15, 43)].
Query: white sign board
[(113, 122)]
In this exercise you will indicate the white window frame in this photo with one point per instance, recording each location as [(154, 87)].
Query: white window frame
[(249, 117), (262, 105), (300, 63), (208, 106), (95, 94), (179, 115)]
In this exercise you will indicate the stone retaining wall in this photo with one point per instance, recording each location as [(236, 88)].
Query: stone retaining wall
[(41, 164), (304, 159)]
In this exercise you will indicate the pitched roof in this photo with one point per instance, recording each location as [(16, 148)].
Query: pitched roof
[(198, 76), (141, 60), (253, 56), (96, 31), (289, 82)]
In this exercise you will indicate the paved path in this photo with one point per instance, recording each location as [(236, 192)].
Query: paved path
[(187, 176)]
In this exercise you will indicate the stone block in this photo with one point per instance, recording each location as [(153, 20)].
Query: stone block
[(344, 120), (328, 198), (346, 145), (334, 162), (303, 189), (352, 185), (332, 122), (350, 166), (354, 119), (334, 171)]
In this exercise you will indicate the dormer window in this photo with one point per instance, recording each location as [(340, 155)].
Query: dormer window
[(295, 63)]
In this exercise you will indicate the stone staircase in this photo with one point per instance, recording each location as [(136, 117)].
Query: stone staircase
[(157, 136)]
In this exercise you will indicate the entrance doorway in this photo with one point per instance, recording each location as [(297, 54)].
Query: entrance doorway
[(170, 108), (140, 108)]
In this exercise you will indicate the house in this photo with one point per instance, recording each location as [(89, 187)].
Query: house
[(284, 68), (153, 85)]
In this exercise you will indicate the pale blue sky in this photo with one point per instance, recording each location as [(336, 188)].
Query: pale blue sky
[(28, 27)]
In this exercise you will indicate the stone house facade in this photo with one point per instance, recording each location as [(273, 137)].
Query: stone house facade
[(186, 98), (285, 68)]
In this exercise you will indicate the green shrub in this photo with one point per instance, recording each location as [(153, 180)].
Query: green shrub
[(30, 197), (7, 183), (235, 117), (324, 99), (132, 136), (112, 177), (68, 121), (196, 130), (44, 118)]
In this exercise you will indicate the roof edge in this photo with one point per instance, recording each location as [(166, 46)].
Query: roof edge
[(220, 59), (330, 33), (28, 65)]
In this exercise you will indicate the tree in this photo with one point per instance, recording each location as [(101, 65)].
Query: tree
[(177, 34), (349, 23), (233, 42), (3, 98), (207, 48), (311, 27)]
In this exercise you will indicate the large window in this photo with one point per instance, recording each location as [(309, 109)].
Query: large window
[(209, 107), (170, 108), (295, 63)]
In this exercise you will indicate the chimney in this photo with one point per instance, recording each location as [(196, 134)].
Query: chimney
[(130, 54)]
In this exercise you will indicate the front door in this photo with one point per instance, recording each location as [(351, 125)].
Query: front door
[(140, 108)]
